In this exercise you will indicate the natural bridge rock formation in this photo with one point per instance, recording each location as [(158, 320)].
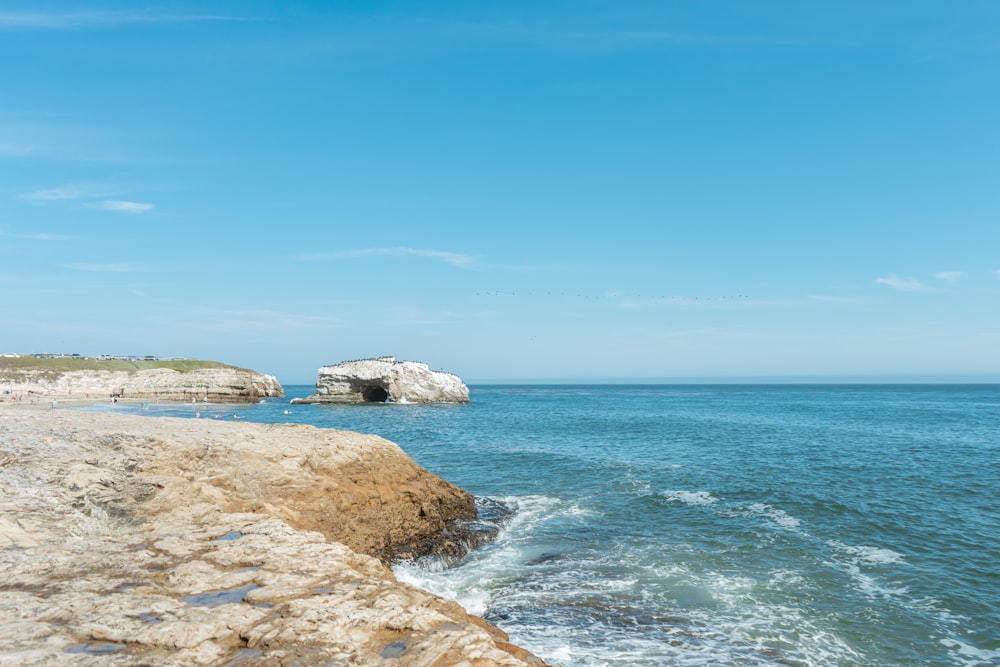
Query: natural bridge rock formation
[(384, 380)]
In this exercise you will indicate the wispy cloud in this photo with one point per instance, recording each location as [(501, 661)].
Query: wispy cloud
[(103, 268), (86, 195), (641, 301), (63, 193), (950, 277), (221, 321), (42, 237), (70, 20), (43, 136), (453, 258), (644, 37), (39, 237), (121, 206), (552, 36), (902, 284)]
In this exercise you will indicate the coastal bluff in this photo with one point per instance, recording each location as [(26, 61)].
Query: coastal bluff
[(385, 380), (130, 540), (179, 381)]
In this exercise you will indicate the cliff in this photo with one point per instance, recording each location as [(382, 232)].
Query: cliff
[(135, 540), (386, 380), (219, 383)]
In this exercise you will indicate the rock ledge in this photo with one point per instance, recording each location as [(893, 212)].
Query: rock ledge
[(130, 540)]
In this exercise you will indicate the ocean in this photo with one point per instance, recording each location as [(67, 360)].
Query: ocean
[(714, 525)]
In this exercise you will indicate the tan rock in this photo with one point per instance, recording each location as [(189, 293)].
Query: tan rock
[(135, 540)]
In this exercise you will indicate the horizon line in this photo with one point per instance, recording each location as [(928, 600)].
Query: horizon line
[(853, 379)]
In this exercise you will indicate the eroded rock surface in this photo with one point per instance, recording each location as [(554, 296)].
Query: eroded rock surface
[(135, 540), (218, 385), (386, 380)]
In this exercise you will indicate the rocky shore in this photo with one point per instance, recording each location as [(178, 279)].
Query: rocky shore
[(224, 384), (131, 540)]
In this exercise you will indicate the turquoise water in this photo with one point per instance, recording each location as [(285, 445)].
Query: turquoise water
[(717, 525)]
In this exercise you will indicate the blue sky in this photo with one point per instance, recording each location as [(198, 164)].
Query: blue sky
[(516, 190)]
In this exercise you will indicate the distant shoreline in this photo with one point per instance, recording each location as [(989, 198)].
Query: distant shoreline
[(902, 380), (44, 402)]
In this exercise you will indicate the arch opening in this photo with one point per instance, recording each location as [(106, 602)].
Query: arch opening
[(374, 394)]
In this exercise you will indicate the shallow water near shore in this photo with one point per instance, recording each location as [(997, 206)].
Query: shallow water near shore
[(713, 525)]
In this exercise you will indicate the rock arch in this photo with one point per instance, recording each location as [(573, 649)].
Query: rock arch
[(385, 380)]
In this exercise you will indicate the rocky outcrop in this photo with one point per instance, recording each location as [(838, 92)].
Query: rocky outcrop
[(384, 380), (135, 540), (225, 384)]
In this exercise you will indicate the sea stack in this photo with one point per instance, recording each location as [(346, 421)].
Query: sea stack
[(386, 380)]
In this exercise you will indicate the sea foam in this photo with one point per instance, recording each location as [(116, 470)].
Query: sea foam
[(691, 497), (777, 516), (866, 555)]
